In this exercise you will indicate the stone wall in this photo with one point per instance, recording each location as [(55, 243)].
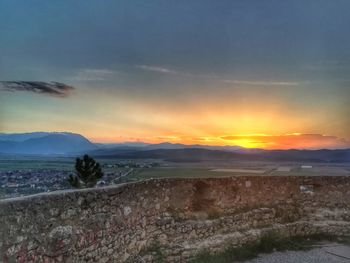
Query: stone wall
[(169, 220)]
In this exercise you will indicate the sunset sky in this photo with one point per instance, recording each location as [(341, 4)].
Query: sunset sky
[(268, 74)]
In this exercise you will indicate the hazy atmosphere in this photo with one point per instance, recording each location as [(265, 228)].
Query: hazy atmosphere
[(167, 131), (262, 74)]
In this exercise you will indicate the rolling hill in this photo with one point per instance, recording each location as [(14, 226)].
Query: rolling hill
[(64, 143), (199, 154), (44, 143)]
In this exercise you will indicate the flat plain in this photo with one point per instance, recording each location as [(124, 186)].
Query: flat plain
[(188, 169)]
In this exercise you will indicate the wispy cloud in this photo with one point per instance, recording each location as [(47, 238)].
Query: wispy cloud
[(260, 83), (327, 65), (157, 69), (93, 75), (47, 88), (164, 70)]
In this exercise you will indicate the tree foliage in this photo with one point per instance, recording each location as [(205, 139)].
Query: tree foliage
[(87, 172)]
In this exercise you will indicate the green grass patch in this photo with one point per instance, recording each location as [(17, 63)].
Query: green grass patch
[(155, 249)]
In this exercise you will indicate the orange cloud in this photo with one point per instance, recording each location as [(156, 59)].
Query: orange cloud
[(288, 141)]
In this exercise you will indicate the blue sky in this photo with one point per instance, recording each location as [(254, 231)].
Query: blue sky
[(139, 66)]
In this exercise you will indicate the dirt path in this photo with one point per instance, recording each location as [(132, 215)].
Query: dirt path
[(332, 253)]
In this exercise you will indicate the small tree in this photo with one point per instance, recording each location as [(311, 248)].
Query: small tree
[(87, 171)]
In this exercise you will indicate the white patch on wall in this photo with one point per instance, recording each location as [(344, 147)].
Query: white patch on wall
[(307, 189), (127, 210)]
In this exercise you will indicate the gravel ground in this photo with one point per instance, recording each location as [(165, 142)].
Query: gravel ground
[(317, 255)]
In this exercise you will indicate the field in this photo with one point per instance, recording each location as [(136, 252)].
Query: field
[(181, 169), (36, 163), (28, 175), (162, 169)]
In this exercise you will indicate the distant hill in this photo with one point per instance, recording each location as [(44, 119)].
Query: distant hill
[(134, 146), (199, 154), (64, 143), (167, 145), (44, 143), (20, 137)]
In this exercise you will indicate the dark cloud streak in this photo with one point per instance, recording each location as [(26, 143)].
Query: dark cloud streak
[(46, 88)]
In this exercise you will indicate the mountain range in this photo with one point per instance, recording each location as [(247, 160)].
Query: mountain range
[(44, 143), (65, 143)]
